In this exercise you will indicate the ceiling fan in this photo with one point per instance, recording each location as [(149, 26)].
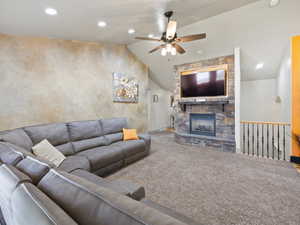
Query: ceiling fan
[(169, 39)]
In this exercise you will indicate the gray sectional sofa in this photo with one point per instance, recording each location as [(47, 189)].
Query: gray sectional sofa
[(34, 191), (96, 146)]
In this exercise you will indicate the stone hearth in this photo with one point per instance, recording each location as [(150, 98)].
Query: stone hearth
[(221, 107)]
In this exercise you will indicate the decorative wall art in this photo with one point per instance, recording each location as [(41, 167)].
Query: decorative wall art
[(125, 89)]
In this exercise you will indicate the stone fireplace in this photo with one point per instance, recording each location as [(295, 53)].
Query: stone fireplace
[(206, 122), (203, 124)]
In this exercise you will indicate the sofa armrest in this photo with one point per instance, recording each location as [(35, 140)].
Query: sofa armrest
[(147, 139)]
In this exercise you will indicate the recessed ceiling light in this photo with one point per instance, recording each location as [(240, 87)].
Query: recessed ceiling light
[(259, 66), (150, 35), (131, 31), (200, 52), (102, 24), (51, 11), (274, 3)]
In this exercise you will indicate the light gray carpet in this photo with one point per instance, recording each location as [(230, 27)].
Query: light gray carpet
[(216, 188)]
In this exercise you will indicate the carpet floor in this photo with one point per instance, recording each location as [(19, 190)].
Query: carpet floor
[(217, 188)]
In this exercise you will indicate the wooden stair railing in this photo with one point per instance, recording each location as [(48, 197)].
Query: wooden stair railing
[(266, 139)]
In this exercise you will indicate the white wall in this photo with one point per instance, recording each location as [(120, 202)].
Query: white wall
[(258, 100), (158, 112), (237, 91), (284, 87)]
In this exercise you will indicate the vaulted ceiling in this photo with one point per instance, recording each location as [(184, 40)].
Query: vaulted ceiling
[(261, 32), (77, 19)]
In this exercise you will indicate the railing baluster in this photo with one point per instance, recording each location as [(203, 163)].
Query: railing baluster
[(272, 141), (283, 142), (253, 139), (268, 140), (244, 138), (262, 139), (248, 140), (257, 140), (278, 150)]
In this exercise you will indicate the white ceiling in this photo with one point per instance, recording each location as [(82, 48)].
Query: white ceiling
[(77, 19), (261, 32)]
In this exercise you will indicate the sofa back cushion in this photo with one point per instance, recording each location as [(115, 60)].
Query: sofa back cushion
[(30, 206), (86, 135), (57, 134), (90, 204), (114, 125), (10, 178), (17, 137), (22, 203), (113, 129)]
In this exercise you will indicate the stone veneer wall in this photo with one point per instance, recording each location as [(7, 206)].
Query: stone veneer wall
[(47, 80), (225, 114)]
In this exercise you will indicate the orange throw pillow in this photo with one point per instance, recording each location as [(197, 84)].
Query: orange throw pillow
[(129, 134)]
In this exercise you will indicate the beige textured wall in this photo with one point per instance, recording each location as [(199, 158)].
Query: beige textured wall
[(46, 80)]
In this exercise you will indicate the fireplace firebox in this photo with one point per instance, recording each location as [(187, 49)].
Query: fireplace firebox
[(203, 124)]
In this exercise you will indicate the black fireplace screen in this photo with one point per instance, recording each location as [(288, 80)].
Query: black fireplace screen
[(203, 124)]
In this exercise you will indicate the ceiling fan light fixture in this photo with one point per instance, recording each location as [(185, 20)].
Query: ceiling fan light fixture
[(131, 31), (51, 11), (102, 24), (274, 3), (169, 41), (169, 48), (173, 51)]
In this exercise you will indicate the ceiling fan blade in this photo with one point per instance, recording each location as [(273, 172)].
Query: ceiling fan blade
[(171, 29), (147, 39), (157, 48), (179, 48), (191, 37)]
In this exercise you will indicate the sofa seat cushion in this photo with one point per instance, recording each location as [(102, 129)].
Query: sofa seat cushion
[(34, 168), (112, 138), (169, 212), (90, 204), (125, 187), (121, 186), (131, 147), (11, 154), (90, 143), (102, 156), (75, 162)]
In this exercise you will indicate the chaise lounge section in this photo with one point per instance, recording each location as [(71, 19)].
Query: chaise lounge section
[(63, 199)]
